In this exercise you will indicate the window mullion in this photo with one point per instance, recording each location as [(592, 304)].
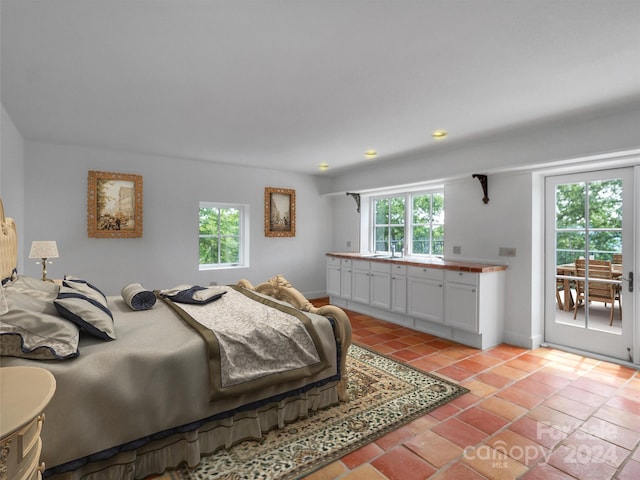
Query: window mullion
[(408, 223), (431, 224), (389, 224), (219, 242)]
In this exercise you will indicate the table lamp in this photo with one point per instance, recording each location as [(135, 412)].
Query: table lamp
[(44, 249)]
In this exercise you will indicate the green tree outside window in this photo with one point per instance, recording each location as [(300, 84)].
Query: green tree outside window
[(220, 235), (600, 204)]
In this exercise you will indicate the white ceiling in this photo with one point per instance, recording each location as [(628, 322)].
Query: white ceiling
[(289, 84)]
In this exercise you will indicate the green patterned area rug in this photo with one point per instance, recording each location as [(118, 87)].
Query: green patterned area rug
[(385, 395)]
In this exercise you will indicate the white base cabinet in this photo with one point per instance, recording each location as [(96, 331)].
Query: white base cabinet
[(461, 297), (425, 286), (467, 307), (345, 278), (399, 288), (380, 276), (339, 277), (474, 306), (361, 282), (334, 274)]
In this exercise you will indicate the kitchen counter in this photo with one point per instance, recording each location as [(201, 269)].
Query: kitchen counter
[(429, 262)]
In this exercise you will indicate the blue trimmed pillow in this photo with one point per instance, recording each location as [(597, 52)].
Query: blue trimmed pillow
[(86, 306), (138, 297), (83, 286), (196, 295)]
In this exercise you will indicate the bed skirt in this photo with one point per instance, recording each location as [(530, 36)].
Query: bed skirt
[(156, 456)]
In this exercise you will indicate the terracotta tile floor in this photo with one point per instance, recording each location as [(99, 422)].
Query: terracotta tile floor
[(541, 414), (531, 415)]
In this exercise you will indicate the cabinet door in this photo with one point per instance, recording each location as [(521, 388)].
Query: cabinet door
[(399, 293), (462, 306), (333, 281), (399, 288), (381, 290), (425, 298), (346, 280), (360, 290)]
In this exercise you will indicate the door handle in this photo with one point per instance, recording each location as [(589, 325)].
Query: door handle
[(630, 280)]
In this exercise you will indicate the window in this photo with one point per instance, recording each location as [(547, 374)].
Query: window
[(223, 232), (416, 230), (427, 224), (389, 224)]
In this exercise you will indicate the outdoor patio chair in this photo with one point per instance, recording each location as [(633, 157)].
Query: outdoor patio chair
[(598, 291), (561, 295)]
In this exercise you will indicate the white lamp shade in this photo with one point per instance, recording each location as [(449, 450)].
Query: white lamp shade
[(44, 249)]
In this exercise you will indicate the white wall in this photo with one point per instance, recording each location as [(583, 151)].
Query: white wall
[(167, 254), (481, 229), (12, 174), (346, 226)]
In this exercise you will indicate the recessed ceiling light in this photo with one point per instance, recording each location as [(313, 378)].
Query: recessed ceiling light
[(370, 153), (323, 166), (439, 134)]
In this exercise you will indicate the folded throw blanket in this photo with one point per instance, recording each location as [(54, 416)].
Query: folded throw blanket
[(138, 297)]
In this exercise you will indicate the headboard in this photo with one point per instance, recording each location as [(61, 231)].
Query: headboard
[(8, 245)]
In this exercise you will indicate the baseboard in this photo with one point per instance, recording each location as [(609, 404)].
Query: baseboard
[(312, 295), (518, 340)]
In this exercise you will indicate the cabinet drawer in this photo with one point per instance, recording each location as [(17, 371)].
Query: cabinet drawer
[(361, 265), (36, 473), (31, 434), (345, 263), (28, 469), (428, 273), (23, 445), (379, 267), (467, 278), (333, 262), (398, 269)]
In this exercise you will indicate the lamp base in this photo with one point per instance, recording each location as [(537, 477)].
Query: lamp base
[(44, 271)]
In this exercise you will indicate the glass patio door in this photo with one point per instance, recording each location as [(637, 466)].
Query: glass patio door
[(589, 255)]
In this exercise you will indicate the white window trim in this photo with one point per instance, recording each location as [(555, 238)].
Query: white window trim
[(243, 261), (368, 219)]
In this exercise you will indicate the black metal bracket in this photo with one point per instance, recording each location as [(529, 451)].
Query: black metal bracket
[(483, 182), (356, 197)]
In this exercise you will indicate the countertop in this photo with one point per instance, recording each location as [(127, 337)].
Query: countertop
[(428, 262)]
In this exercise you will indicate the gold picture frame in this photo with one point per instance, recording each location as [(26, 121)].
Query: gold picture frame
[(114, 205), (279, 212)]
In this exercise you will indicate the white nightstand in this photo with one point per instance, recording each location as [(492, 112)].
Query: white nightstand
[(24, 393)]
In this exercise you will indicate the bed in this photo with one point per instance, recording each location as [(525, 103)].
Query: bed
[(146, 401)]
